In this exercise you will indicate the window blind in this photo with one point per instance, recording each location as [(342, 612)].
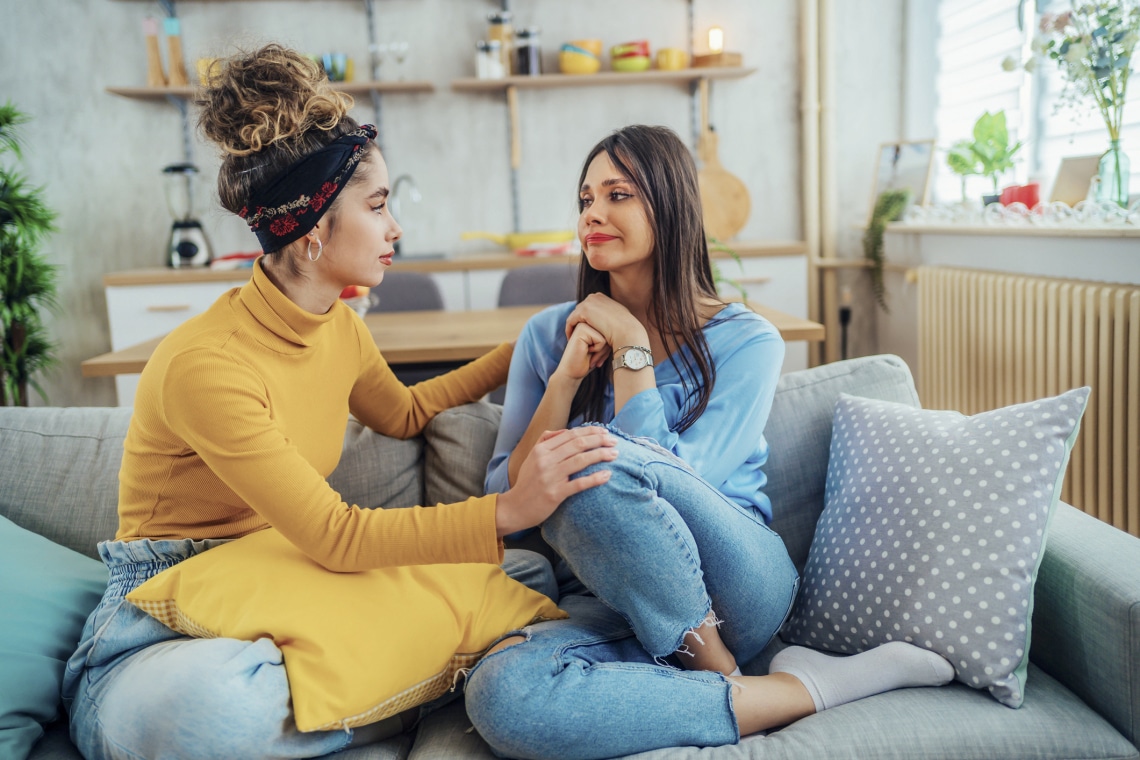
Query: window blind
[(975, 37)]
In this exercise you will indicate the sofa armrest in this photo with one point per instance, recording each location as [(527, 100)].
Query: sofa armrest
[(1086, 618)]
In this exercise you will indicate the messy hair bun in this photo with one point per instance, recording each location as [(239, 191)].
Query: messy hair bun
[(265, 110)]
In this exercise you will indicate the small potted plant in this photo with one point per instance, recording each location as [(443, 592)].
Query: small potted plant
[(27, 281), (989, 154)]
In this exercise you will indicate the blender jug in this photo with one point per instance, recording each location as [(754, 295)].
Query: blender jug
[(187, 246)]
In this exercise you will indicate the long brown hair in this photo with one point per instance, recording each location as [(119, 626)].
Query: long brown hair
[(266, 110), (662, 170)]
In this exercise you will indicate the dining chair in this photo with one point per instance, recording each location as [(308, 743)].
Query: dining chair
[(406, 291), (535, 286), (539, 284), (410, 291)]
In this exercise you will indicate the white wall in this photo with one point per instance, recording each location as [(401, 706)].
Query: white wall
[(100, 157)]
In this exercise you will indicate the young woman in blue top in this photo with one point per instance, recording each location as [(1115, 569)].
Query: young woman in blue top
[(683, 579)]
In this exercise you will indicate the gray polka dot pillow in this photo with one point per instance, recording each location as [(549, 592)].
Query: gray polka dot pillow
[(932, 531)]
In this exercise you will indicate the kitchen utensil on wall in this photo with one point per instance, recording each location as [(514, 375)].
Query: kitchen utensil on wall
[(187, 246), (154, 74), (174, 59), (519, 240), (724, 197)]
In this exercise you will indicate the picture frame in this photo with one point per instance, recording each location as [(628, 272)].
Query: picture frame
[(907, 164)]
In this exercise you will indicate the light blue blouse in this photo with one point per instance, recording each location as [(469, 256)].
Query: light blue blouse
[(725, 445)]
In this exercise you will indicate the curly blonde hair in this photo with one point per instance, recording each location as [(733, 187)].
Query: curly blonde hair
[(266, 110)]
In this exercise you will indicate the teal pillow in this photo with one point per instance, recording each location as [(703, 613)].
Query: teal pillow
[(46, 593)]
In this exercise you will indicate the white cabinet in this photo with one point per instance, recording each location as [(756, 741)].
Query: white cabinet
[(483, 287), (140, 312), (453, 289)]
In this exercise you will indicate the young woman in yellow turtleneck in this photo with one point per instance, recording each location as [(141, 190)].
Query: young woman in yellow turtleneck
[(240, 417)]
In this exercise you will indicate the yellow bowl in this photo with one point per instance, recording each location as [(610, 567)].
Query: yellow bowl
[(594, 46), (630, 63), (672, 59), (576, 63)]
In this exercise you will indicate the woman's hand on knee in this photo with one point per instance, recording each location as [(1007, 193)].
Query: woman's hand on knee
[(544, 479)]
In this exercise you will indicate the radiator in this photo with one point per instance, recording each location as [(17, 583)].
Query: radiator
[(988, 339)]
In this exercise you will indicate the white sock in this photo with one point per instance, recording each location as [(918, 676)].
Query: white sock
[(836, 680)]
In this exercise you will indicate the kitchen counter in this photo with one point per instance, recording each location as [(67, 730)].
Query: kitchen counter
[(459, 263)]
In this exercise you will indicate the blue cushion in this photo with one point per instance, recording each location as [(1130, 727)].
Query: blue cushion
[(46, 593)]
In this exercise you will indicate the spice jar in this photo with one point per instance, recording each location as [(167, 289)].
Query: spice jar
[(528, 52), (499, 29), (489, 60)]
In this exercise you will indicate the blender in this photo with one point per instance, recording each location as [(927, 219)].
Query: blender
[(187, 246)]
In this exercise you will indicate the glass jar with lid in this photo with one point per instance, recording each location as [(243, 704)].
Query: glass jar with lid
[(500, 28), (489, 60), (528, 52)]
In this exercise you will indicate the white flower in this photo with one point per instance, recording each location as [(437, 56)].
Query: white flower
[(1009, 63), (1031, 65), (1077, 51), (1040, 45)]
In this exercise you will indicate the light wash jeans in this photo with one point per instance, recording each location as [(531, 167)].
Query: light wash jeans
[(137, 690), (658, 547)]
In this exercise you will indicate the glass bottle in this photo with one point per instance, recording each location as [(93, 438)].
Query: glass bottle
[(1112, 174), (499, 28), (528, 52), (489, 60)]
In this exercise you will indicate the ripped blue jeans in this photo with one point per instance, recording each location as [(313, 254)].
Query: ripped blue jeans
[(136, 689), (658, 547)]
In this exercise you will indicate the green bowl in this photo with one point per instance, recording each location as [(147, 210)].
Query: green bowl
[(630, 63)]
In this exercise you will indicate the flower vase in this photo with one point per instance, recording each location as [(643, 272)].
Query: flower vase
[(1112, 174)]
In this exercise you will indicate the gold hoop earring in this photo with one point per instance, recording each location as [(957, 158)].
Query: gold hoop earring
[(320, 249)]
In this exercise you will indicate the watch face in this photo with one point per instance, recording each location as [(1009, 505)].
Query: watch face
[(635, 358)]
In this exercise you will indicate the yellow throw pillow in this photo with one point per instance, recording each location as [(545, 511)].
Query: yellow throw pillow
[(358, 647)]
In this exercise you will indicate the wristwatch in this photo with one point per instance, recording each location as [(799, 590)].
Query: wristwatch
[(634, 357)]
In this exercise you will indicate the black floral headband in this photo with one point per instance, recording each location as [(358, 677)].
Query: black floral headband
[(292, 204)]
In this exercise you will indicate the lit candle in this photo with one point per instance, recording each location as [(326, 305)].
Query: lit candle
[(716, 39)]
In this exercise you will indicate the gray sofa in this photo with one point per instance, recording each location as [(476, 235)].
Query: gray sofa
[(58, 478)]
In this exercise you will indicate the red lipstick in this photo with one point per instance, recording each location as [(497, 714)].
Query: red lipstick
[(598, 237)]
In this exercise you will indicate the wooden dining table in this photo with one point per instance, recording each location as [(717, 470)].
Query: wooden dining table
[(420, 337)]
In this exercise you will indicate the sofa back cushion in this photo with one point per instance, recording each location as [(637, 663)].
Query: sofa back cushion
[(378, 471), (59, 472), (459, 444), (799, 436)]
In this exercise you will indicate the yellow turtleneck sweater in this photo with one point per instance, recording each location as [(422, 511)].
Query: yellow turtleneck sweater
[(240, 417)]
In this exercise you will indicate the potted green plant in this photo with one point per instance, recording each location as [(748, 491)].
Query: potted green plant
[(27, 281), (719, 279), (889, 207), (988, 154)]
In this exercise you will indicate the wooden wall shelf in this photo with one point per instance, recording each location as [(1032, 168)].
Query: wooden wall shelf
[(602, 78), (352, 88)]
